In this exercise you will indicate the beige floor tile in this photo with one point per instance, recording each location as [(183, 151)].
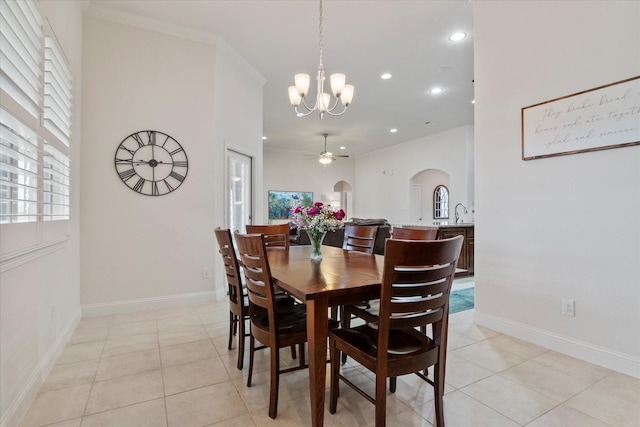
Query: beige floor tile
[(194, 375), (552, 384), (174, 310), (81, 352), (86, 334), (461, 410), (128, 364), (564, 416), (56, 406), (511, 399), (516, 346), (69, 423), (219, 329), (182, 335), (571, 366), (146, 414), (125, 391), (475, 332), (179, 322), (456, 340), (614, 400), (241, 421), (188, 352), (461, 372), (136, 316), (488, 356), (127, 329), (204, 406), (132, 344), (70, 374)]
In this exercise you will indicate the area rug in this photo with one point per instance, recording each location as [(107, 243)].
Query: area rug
[(461, 300)]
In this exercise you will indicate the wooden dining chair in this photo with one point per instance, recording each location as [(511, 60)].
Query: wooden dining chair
[(399, 233), (359, 238), (275, 235), (238, 303), (416, 283), (273, 326), (237, 295)]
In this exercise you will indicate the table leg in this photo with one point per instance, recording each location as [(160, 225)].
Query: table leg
[(317, 331)]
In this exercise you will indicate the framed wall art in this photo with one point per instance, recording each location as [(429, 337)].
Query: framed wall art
[(596, 119), (282, 203)]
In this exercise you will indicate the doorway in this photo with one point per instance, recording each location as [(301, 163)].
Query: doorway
[(239, 190)]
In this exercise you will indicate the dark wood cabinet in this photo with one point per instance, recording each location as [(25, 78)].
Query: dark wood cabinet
[(466, 259)]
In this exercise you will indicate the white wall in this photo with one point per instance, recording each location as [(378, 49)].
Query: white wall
[(140, 250), (39, 262), (288, 171), (563, 227), (383, 177)]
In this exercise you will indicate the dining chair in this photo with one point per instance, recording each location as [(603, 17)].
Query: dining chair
[(359, 238), (236, 292), (416, 283), (271, 325), (400, 233), (274, 234)]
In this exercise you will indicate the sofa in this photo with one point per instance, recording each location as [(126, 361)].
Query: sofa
[(336, 238)]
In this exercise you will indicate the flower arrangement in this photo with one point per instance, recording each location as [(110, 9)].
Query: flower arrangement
[(317, 220)]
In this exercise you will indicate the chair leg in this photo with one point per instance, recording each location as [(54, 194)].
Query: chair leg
[(293, 352), (335, 388), (345, 321), (275, 382), (392, 384), (381, 399), (302, 355), (438, 391), (251, 351), (231, 322), (241, 343)]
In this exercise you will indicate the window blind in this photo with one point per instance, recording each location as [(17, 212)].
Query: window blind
[(55, 186), (57, 92)]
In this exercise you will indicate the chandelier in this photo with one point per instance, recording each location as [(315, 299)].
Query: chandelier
[(341, 91)]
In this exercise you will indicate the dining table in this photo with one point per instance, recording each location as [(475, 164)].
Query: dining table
[(340, 278)]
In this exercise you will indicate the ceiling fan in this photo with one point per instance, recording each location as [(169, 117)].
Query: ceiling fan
[(327, 157)]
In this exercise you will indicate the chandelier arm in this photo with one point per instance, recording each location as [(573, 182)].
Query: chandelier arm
[(337, 114)]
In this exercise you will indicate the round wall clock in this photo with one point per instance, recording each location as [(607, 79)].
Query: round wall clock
[(151, 163)]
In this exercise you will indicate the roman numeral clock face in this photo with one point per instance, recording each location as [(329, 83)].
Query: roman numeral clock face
[(151, 163)]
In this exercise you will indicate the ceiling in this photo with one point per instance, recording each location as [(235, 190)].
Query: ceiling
[(362, 39)]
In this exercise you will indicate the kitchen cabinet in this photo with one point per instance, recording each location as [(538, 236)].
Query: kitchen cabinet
[(466, 260)]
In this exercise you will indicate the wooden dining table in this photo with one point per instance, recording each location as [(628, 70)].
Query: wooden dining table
[(340, 278)]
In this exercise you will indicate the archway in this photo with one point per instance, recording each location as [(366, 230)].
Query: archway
[(342, 197), (423, 185)]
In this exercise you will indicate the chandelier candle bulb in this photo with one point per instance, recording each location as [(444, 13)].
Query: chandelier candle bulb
[(337, 84)]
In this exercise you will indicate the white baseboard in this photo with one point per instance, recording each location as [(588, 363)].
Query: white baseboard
[(19, 406), (617, 361), (105, 309)]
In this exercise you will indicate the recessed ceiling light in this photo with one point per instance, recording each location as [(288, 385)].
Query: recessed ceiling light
[(394, 130), (343, 148), (264, 138), (385, 76), (473, 101), (436, 90), (457, 37)]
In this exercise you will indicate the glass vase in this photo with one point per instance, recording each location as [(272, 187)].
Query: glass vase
[(316, 238)]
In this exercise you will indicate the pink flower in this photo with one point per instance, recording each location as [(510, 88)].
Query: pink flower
[(339, 215), (313, 211), (318, 205), (298, 209)]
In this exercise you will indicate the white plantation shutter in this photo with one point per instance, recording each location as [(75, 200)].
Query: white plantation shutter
[(55, 185), (21, 54), (57, 92), (18, 171)]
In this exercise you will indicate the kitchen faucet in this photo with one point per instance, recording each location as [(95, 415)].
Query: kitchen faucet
[(456, 211)]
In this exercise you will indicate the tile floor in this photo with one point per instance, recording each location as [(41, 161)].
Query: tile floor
[(171, 367)]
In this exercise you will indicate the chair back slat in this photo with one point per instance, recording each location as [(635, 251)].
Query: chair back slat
[(275, 235), (360, 238), (414, 233)]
